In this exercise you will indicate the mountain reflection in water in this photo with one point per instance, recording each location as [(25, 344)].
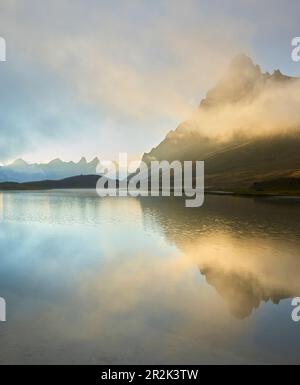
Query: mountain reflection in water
[(135, 281), (247, 249)]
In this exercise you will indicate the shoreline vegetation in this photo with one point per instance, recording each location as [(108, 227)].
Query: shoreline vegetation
[(283, 188)]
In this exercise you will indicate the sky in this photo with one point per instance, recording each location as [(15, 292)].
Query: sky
[(99, 77)]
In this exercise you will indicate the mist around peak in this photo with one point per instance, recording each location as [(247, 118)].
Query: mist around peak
[(247, 128)]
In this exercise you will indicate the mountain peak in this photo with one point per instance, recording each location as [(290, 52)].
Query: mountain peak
[(279, 76), (19, 162), (243, 79), (242, 62), (20, 171), (55, 161), (243, 70), (95, 160), (82, 160)]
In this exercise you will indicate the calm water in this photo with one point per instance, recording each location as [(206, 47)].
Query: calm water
[(133, 281)]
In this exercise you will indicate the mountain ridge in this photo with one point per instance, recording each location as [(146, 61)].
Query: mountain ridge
[(21, 171), (238, 128)]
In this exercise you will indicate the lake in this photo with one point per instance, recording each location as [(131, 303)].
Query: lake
[(91, 280)]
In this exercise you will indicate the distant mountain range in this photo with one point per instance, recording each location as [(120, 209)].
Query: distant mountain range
[(247, 129), (20, 171)]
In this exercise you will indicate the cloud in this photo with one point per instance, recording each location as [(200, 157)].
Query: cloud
[(272, 110), (144, 66), (134, 67)]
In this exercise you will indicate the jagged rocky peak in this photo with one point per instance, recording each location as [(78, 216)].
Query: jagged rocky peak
[(243, 79), (95, 161), (82, 160), (20, 171), (242, 84), (243, 65), (279, 76)]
